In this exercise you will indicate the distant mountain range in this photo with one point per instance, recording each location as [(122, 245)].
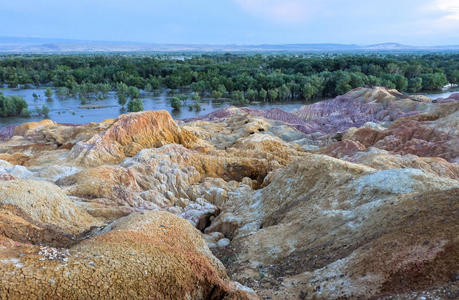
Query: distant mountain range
[(43, 45)]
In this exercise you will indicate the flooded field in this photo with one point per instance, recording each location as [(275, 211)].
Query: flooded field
[(70, 109)]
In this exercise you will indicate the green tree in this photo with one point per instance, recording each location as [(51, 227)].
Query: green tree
[(216, 94), (83, 100), (104, 89), (222, 89), (176, 103), (396, 81), (48, 92), (43, 111), (388, 84), (454, 76), (154, 82), (262, 94), (273, 94), (310, 76), (342, 82), (238, 96), (342, 87), (251, 95), (196, 96), (357, 79), (122, 93), (135, 105), (433, 81), (401, 83), (12, 106), (148, 87), (197, 106), (284, 92), (133, 92), (122, 99), (393, 68), (199, 86), (172, 81), (415, 85), (62, 91), (308, 91), (413, 70), (374, 81)]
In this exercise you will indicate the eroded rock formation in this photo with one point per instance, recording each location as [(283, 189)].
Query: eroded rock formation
[(128, 135), (354, 197), (145, 255)]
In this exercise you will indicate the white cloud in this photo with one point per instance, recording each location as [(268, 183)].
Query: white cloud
[(446, 13), (449, 7), (286, 11)]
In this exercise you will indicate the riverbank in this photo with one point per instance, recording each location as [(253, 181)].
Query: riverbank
[(70, 109)]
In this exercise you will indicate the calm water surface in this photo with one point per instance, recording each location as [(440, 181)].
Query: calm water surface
[(70, 110), (444, 94)]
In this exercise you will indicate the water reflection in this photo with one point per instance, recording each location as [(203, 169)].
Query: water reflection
[(70, 110)]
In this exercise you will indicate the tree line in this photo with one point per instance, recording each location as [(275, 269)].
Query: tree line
[(239, 77)]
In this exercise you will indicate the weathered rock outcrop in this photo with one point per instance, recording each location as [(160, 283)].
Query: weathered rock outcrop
[(360, 106), (274, 114), (322, 222), (32, 127), (128, 135), (45, 203), (354, 197), (162, 178), (6, 132), (15, 158), (433, 134), (150, 255), (382, 160), (38, 212)]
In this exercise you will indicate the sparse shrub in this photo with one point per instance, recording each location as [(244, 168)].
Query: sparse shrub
[(43, 111), (196, 96), (176, 103), (48, 92)]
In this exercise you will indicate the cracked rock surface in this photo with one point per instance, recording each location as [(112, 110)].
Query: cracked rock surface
[(353, 197)]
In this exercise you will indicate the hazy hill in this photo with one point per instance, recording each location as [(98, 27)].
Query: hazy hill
[(44, 45)]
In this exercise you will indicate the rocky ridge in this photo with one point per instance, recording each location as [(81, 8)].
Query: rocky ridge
[(353, 197)]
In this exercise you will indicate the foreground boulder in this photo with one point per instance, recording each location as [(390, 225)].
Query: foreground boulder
[(146, 255)]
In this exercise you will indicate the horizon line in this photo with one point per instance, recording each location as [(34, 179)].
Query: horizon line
[(227, 44)]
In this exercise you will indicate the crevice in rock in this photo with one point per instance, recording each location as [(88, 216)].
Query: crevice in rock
[(205, 220)]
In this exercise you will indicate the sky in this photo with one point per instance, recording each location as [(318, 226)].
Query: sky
[(414, 22)]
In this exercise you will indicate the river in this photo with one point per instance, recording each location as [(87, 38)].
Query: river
[(69, 110)]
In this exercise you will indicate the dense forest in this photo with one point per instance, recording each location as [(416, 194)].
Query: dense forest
[(238, 77)]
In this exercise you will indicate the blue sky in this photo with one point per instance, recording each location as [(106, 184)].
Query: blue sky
[(416, 22)]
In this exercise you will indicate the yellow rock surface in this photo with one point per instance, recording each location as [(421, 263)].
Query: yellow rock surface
[(128, 135), (151, 255)]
